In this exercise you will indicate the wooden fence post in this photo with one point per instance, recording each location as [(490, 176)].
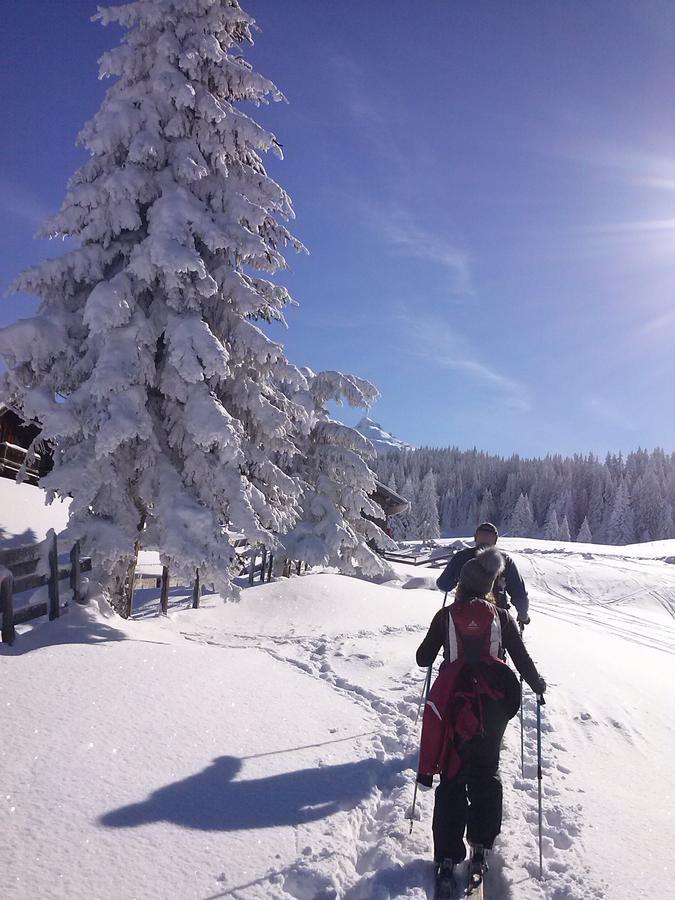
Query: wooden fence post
[(75, 576), (251, 571), (7, 609), (164, 595), (196, 591), (270, 564), (131, 578), (54, 611), (263, 562)]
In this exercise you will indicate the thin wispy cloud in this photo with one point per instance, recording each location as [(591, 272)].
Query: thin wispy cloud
[(606, 411), (648, 226), (22, 206), (658, 325), (438, 344), (407, 237), (645, 242), (355, 93)]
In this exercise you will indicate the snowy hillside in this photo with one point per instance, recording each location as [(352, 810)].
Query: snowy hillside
[(381, 439), (265, 749)]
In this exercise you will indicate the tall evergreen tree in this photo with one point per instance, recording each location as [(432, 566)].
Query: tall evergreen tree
[(584, 536), (521, 523), (404, 521), (427, 509), (564, 532), (647, 502), (622, 522), (552, 527), (171, 414), (486, 510)]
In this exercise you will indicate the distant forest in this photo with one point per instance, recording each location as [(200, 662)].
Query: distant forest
[(618, 500)]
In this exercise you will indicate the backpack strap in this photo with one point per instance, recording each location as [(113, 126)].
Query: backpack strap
[(496, 636), (450, 638)]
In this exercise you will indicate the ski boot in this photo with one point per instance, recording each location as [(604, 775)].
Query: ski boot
[(477, 865), (445, 880)]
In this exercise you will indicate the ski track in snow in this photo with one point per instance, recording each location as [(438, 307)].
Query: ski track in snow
[(380, 859), (583, 608)]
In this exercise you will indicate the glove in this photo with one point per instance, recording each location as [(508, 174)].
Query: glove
[(541, 687), (523, 620), (425, 782)]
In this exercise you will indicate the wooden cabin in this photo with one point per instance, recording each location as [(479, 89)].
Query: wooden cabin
[(16, 436)]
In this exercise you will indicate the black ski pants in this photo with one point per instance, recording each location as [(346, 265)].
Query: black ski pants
[(471, 800)]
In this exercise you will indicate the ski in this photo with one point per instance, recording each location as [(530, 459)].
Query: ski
[(474, 889), (476, 874), (446, 884)]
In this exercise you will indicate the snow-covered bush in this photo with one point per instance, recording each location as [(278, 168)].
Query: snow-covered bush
[(337, 525)]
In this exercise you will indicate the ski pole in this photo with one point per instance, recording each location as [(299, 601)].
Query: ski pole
[(425, 691), (540, 702), (522, 736)]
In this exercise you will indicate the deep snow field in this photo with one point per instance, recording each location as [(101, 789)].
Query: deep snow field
[(266, 749)]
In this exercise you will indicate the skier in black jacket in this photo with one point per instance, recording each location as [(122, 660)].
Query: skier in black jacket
[(509, 582)]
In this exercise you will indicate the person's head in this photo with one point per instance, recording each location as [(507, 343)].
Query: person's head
[(486, 535), (478, 575)]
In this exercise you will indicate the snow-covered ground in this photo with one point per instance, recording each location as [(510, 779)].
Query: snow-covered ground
[(265, 749), (24, 518)]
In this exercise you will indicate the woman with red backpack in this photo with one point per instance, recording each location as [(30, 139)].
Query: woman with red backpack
[(465, 716)]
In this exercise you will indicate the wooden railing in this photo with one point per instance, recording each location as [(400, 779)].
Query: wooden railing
[(12, 457), (423, 558), (19, 571)]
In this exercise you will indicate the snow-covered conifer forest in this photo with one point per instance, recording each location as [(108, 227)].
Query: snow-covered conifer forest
[(618, 500), (175, 421)]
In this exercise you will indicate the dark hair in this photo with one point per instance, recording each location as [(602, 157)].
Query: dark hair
[(461, 594), (488, 527)]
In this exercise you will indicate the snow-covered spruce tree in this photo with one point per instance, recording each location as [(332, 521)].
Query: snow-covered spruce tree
[(551, 526), (405, 521), (584, 536), (621, 527), (564, 532), (521, 523), (337, 525), (427, 526), (144, 368), (486, 508)]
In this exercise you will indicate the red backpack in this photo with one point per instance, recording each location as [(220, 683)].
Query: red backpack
[(473, 669)]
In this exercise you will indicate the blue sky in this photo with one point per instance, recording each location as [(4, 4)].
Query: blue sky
[(487, 191)]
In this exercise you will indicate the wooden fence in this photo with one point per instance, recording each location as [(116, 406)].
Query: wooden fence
[(19, 572), (254, 563)]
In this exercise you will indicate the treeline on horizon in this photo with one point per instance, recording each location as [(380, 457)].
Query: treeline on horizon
[(618, 500)]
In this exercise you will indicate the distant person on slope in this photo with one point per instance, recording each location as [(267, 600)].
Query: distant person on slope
[(466, 713), (509, 582)]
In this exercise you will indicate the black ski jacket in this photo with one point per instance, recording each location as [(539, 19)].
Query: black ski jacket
[(509, 582), (511, 641)]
